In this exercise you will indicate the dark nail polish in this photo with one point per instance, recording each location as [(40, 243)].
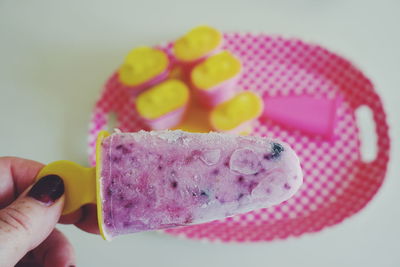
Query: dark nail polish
[(48, 189)]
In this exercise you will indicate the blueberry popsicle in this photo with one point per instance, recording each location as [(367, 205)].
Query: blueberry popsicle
[(162, 179)]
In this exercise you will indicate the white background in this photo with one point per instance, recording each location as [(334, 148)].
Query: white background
[(55, 56)]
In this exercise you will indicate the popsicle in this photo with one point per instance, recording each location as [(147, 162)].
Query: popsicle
[(163, 105), (236, 114), (161, 179), (197, 44), (143, 67), (155, 180), (214, 80)]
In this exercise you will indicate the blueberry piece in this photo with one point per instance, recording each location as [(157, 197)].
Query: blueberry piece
[(215, 172), (188, 160), (160, 167), (123, 148), (109, 192), (193, 156), (116, 159), (277, 149), (128, 205), (240, 196), (287, 186), (189, 219), (252, 185), (240, 179), (126, 150), (174, 184), (203, 193)]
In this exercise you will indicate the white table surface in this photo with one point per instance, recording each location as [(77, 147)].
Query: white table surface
[(55, 56)]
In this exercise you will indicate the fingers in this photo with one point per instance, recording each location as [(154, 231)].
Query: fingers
[(88, 222), (16, 175), (85, 219), (55, 251), (28, 261), (26, 222), (73, 217)]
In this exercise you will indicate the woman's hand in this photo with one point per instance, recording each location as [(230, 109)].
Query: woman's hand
[(29, 213)]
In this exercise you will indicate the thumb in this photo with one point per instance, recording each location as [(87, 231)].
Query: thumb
[(26, 222)]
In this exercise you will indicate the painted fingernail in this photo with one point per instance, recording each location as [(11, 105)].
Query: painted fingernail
[(48, 189)]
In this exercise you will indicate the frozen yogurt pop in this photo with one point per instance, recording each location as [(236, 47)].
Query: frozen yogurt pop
[(143, 67), (197, 44), (163, 105), (163, 179), (236, 114), (214, 80)]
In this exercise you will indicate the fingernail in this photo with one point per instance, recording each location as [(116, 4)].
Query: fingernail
[(48, 189)]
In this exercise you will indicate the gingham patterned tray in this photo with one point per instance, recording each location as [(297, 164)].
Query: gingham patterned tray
[(337, 183)]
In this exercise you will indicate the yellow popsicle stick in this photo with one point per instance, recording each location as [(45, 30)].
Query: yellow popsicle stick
[(162, 99), (243, 107), (197, 43), (141, 65), (100, 137), (82, 185), (215, 70)]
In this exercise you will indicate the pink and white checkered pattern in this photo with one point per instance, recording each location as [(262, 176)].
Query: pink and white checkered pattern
[(337, 183)]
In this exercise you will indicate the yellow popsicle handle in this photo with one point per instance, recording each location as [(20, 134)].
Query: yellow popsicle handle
[(79, 183), (163, 98), (100, 137)]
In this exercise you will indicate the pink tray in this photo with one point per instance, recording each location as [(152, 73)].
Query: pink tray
[(337, 183)]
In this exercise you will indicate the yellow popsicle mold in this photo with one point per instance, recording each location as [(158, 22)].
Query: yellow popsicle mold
[(141, 65), (215, 70), (162, 99), (197, 43), (82, 185), (243, 107)]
